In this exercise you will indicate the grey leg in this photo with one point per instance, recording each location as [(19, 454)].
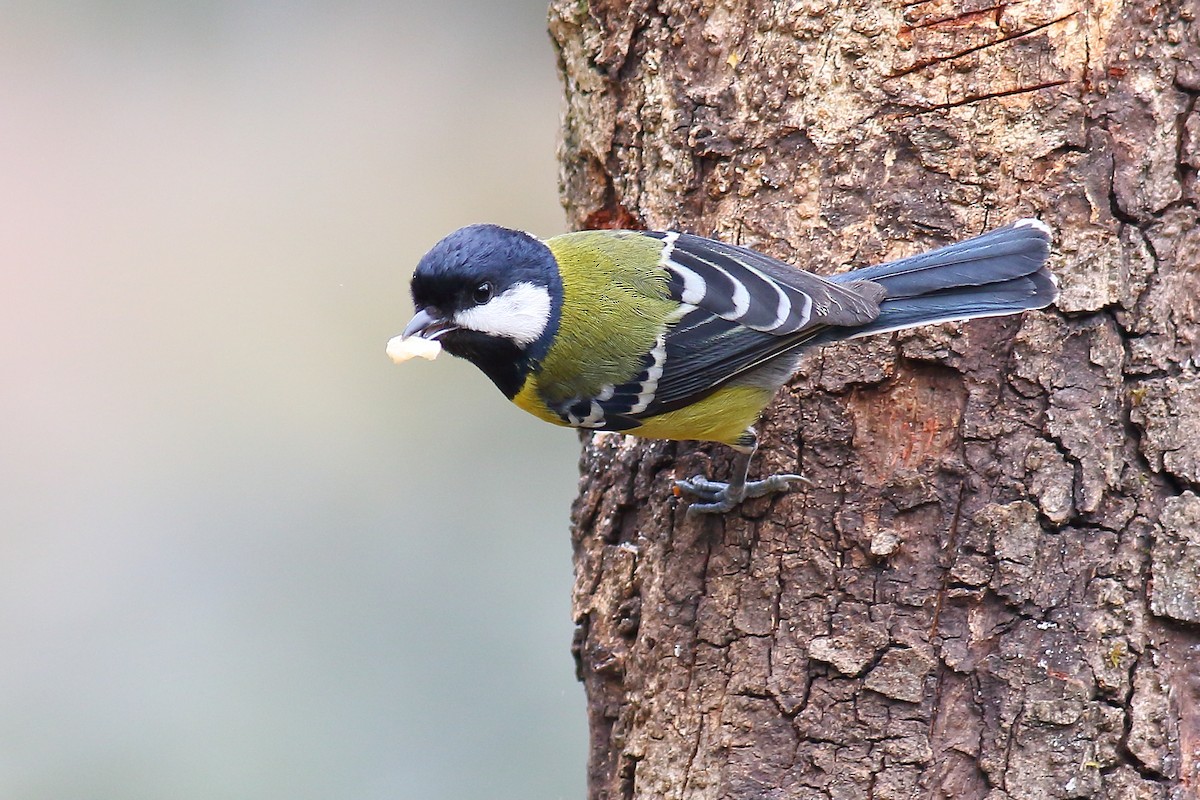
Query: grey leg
[(716, 497)]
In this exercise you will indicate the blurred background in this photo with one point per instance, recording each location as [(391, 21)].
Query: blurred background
[(242, 555)]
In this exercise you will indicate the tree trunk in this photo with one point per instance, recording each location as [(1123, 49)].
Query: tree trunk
[(990, 589)]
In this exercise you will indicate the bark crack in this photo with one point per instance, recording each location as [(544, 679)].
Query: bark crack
[(966, 15), (918, 110), (929, 62)]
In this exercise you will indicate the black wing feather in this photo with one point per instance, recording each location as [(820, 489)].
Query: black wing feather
[(748, 309)]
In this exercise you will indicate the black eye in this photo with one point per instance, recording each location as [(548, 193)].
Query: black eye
[(482, 293)]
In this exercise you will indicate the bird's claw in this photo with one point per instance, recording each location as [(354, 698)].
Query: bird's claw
[(718, 497)]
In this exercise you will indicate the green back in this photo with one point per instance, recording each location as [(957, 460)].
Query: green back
[(615, 303)]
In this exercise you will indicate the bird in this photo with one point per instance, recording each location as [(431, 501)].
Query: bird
[(671, 335)]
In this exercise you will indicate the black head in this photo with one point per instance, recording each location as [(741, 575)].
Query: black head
[(491, 295)]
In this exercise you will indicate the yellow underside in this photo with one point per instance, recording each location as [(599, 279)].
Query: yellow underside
[(721, 417)]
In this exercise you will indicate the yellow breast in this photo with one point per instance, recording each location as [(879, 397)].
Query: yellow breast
[(722, 416), (529, 400)]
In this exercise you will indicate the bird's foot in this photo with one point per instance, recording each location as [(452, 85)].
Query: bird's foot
[(717, 497)]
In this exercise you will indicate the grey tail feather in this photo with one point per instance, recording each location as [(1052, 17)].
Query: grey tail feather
[(1001, 272)]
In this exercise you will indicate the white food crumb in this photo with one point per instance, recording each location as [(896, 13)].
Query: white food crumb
[(400, 349)]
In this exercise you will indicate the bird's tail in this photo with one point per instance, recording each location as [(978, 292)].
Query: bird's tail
[(1001, 272)]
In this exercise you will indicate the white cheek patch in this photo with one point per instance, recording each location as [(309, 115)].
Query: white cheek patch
[(519, 313)]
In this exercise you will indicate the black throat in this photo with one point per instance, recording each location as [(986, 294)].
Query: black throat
[(500, 359)]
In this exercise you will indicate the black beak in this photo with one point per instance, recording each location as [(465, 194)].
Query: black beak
[(427, 325)]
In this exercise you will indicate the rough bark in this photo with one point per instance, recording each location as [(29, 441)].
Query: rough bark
[(990, 589)]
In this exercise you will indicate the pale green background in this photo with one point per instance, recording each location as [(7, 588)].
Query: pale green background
[(242, 555)]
